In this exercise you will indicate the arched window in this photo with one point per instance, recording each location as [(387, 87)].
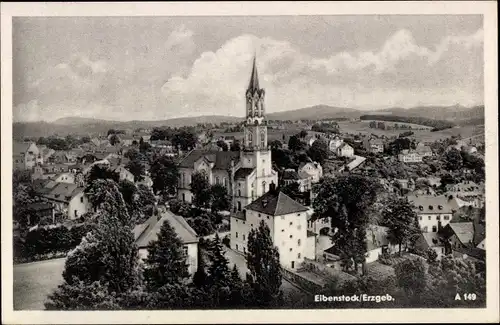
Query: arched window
[(250, 139), (239, 206), (217, 180), (263, 187), (262, 139), (239, 192)]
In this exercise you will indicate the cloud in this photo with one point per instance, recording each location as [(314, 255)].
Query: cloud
[(399, 73)]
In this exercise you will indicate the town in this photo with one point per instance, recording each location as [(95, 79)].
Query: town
[(257, 213)]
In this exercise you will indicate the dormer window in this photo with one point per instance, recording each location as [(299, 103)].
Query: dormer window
[(431, 207)]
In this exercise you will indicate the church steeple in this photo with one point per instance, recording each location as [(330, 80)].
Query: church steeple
[(255, 124), (254, 78)]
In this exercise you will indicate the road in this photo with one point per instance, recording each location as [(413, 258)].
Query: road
[(33, 282)]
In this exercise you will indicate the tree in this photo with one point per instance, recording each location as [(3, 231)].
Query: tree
[(185, 138), (292, 190), (295, 144), (219, 276), (144, 147), (201, 190), (453, 159), (302, 134), (401, 220), (136, 167), (318, 151), (200, 276), (114, 139), (132, 154), (411, 276), (263, 263), (236, 146), (105, 195), (165, 175), (166, 261), (111, 131), (222, 144), (276, 144), (348, 199), (107, 255), (220, 200), (101, 172)]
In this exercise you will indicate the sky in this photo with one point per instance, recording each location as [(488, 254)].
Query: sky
[(152, 68)]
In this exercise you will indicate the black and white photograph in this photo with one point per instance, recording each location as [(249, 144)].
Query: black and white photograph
[(260, 162)]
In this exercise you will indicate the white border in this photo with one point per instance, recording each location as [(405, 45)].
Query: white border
[(486, 8)]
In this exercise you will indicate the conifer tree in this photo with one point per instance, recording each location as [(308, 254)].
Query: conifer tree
[(263, 262), (166, 262), (219, 276)]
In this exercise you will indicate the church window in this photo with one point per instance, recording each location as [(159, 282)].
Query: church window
[(253, 194), (250, 140), (239, 192), (217, 180), (262, 139), (263, 187), (239, 206)]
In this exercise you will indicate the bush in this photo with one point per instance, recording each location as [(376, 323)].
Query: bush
[(179, 207)]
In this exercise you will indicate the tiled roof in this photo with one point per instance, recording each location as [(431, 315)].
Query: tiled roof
[(432, 239), (479, 233), (39, 206), (276, 203), (180, 226), (242, 173), (222, 159), (464, 231), (431, 204), (472, 252), (63, 192)]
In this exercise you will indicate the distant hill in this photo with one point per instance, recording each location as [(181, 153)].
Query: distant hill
[(315, 113), (79, 125)]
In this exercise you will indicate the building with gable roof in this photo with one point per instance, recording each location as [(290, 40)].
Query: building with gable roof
[(66, 198), (147, 232), (287, 221), (26, 155), (246, 174), (434, 212)]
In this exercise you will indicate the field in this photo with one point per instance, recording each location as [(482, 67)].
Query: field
[(362, 127), (390, 123)]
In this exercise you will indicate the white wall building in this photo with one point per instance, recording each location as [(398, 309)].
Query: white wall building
[(287, 221), (434, 212), (310, 169)]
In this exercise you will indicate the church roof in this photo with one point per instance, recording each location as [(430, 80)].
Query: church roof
[(243, 173), (276, 203), (221, 159)]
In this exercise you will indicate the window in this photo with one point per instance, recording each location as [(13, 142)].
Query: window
[(267, 217), (282, 230), (446, 217), (438, 218), (298, 214), (429, 217), (262, 139), (420, 217), (291, 249), (185, 250), (244, 222), (239, 206), (217, 180), (239, 192), (259, 215), (236, 234), (251, 225), (81, 199), (250, 139), (293, 264), (298, 242), (291, 223), (291, 236), (244, 250), (298, 255), (263, 187), (434, 228), (184, 197), (236, 247), (253, 194), (299, 227), (243, 237)]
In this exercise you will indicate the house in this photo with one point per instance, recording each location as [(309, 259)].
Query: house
[(431, 240), (123, 173), (410, 156), (26, 155), (377, 243), (423, 150), (434, 212), (373, 145), (147, 232), (345, 150), (287, 221), (38, 211), (65, 177), (334, 143), (66, 198), (312, 170), (463, 238), (290, 176), (465, 188), (164, 144)]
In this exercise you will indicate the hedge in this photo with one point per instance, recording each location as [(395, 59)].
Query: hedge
[(49, 241)]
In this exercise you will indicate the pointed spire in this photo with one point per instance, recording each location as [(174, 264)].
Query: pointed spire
[(254, 78)]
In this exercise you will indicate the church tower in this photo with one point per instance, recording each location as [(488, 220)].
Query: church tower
[(255, 153), (255, 131)]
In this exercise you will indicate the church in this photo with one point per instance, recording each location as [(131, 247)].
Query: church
[(246, 174)]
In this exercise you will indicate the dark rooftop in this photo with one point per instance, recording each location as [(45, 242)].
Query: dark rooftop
[(276, 203)]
